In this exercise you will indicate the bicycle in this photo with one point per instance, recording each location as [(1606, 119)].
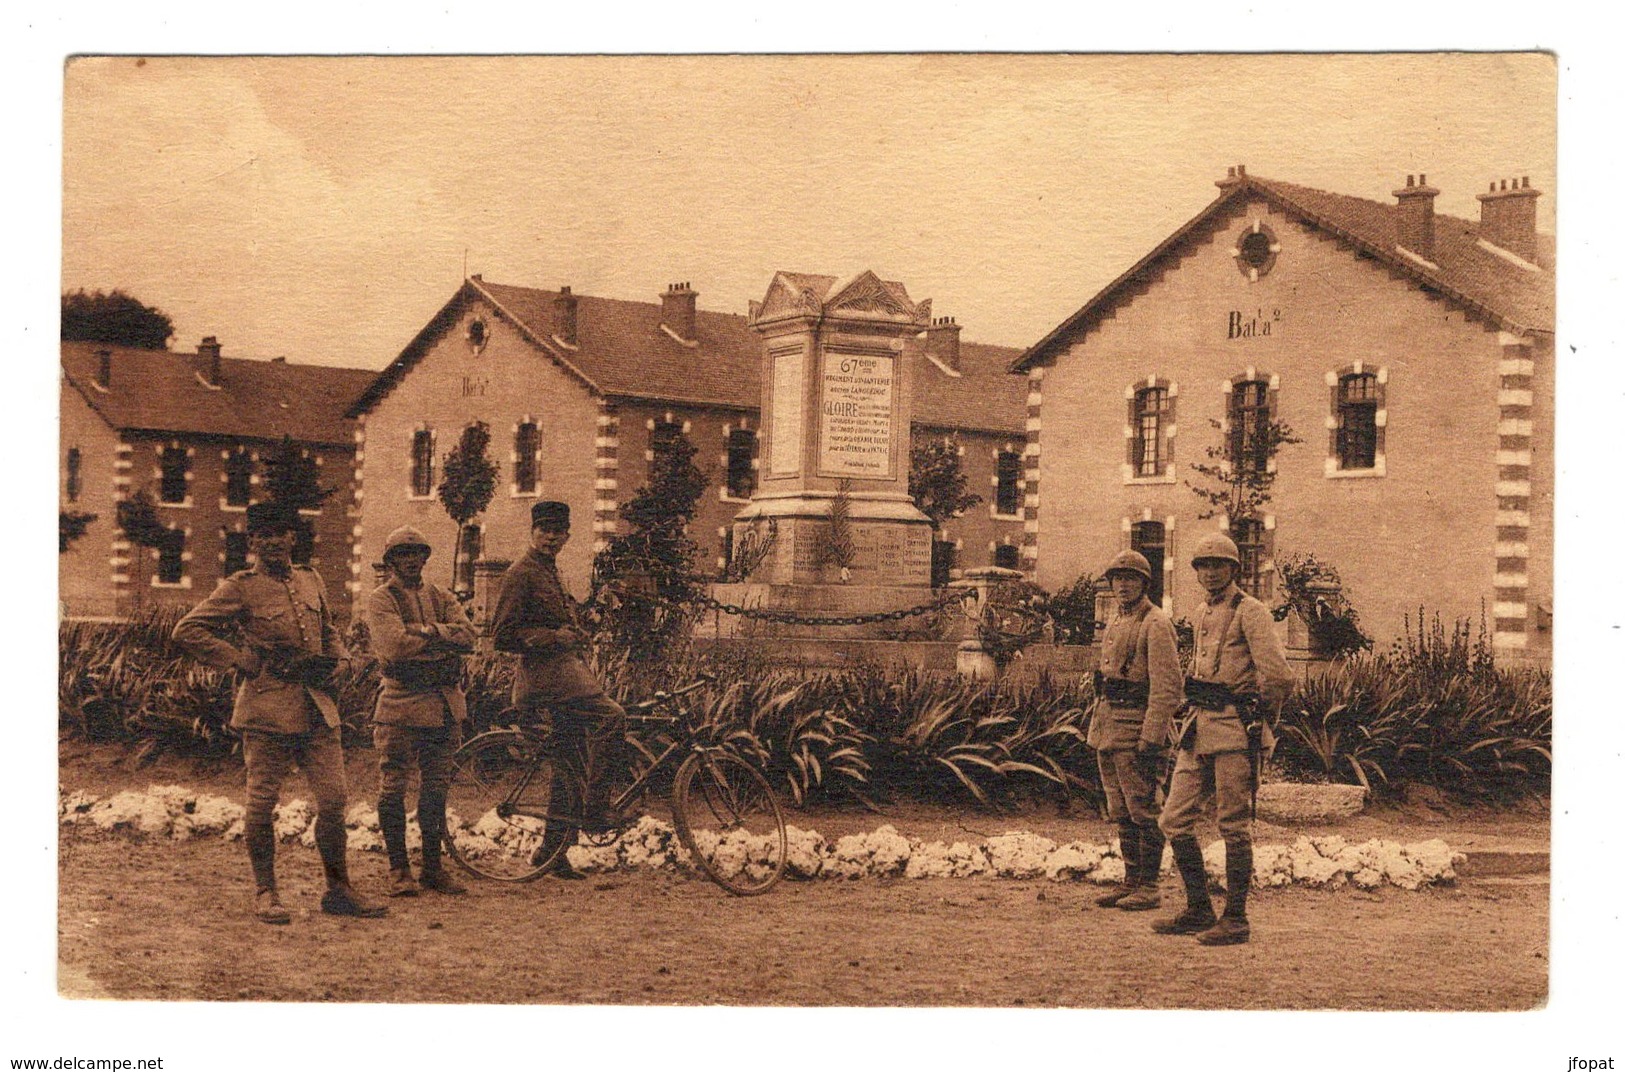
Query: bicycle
[(507, 784)]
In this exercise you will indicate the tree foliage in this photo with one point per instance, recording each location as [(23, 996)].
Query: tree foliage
[(71, 524), (292, 481), (115, 318), (936, 479), (646, 576), (468, 483), (138, 520), (1239, 488)]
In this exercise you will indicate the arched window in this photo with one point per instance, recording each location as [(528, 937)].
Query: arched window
[(1151, 414), (75, 482), (527, 444), (1249, 414), (172, 474), (1007, 488), (1359, 397), (422, 463), (741, 463), (1150, 538), (1249, 535), (239, 477)]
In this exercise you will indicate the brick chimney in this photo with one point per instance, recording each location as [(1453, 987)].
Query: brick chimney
[(942, 341), (1233, 177), (564, 316), (1507, 217), (104, 368), (677, 311), (209, 351), (1415, 216)]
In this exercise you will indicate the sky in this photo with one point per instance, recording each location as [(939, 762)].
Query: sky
[(323, 209)]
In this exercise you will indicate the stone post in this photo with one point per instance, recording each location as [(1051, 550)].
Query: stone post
[(487, 580)]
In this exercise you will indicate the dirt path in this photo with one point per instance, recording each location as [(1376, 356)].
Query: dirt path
[(157, 920)]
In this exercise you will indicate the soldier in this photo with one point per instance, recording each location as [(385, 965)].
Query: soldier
[(535, 619), (271, 624), (1139, 683), (420, 634), (1239, 678)]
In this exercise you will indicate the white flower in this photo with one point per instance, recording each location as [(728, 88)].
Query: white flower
[(1018, 855), (806, 853)]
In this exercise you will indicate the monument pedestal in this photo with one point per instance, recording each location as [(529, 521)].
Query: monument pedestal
[(839, 362)]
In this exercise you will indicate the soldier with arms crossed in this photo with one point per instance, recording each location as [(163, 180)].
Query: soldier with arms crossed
[(1238, 680), (271, 624), (420, 634), (1139, 683)]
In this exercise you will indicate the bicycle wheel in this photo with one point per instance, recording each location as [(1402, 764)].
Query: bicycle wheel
[(728, 818), (504, 786)]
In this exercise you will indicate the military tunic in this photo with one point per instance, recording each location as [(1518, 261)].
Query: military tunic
[(1236, 646), (259, 613), (1139, 646)]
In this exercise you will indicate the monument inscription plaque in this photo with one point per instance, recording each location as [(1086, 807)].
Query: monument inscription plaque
[(786, 444), (856, 410)]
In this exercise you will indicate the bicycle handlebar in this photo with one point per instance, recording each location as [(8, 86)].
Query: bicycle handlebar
[(660, 699)]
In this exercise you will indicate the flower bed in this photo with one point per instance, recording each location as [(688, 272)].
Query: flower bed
[(1324, 862)]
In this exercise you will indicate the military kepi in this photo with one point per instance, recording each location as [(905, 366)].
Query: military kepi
[(550, 513), (265, 517)]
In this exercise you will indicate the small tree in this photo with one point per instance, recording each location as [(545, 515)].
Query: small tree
[(138, 519), (646, 575), (936, 483), (468, 483), (114, 318), (71, 524), (936, 479), (1239, 487), (291, 481)]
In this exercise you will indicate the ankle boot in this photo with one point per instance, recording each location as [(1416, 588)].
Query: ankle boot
[(1148, 868), (1198, 915), (1129, 835), (1233, 928)]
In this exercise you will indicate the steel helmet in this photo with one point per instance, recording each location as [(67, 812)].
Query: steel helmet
[(1130, 562), (1216, 545), (405, 536)]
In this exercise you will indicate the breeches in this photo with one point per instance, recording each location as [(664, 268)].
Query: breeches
[(1130, 781), (1226, 778), (269, 757), (585, 727), (402, 749)]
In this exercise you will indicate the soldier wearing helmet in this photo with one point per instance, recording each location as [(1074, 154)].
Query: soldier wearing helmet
[(1139, 684), (1238, 680), (420, 634)]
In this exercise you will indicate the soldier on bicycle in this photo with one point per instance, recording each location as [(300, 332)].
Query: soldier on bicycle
[(535, 619)]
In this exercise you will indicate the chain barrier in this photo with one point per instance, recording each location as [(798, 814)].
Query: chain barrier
[(784, 617)]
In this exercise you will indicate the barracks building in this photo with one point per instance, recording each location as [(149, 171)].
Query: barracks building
[(193, 431), (579, 392), (1411, 352)]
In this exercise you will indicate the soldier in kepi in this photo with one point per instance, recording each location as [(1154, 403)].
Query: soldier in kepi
[(1139, 684), (1238, 680), (420, 634), (535, 618), (271, 624)]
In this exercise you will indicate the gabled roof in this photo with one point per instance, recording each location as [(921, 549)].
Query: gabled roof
[(622, 352), (164, 391), (1463, 271)]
